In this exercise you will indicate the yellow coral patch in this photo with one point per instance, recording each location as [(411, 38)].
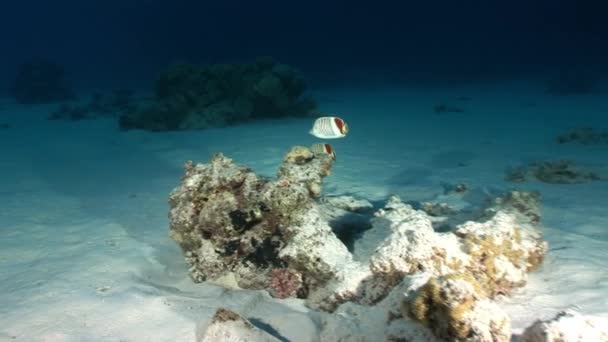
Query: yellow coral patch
[(299, 155), (486, 250), (432, 306)]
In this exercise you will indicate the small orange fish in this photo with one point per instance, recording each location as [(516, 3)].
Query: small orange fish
[(329, 127), (323, 149)]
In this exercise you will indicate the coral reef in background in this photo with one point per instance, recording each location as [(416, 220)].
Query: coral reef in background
[(401, 278), (41, 82), (98, 106), (197, 97), (553, 172), (584, 136)]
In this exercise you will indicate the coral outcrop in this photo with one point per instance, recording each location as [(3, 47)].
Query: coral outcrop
[(399, 273), (477, 260), (197, 97), (503, 250), (260, 232), (41, 82)]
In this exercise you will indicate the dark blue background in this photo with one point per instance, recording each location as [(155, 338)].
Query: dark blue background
[(110, 43)]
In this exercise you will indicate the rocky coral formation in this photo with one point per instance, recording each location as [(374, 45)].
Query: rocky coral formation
[(567, 326), (230, 222), (348, 217), (553, 172), (421, 308), (41, 82), (452, 208), (98, 106), (584, 136), (400, 272), (198, 97), (494, 256), (411, 245), (227, 325), (502, 250)]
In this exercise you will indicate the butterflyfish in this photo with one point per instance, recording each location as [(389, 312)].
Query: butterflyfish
[(329, 127), (321, 149)]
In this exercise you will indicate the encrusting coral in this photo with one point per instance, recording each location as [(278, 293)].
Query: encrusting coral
[(453, 306), (503, 251), (243, 230), (284, 282)]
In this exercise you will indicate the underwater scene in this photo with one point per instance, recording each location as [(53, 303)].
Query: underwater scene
[(311, 171)]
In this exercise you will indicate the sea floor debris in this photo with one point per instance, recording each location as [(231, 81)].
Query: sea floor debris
[(584, 136), (554, 172)]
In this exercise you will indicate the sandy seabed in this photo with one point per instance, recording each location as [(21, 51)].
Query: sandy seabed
[(84, 247)]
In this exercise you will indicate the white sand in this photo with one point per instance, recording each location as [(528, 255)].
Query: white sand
[(84, 247)]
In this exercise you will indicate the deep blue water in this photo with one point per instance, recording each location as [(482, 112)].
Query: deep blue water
[(126, 43)]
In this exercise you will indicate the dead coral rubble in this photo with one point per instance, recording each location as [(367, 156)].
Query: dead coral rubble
[(524, 204), (584, 136), (553, 172), (409, 279)]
